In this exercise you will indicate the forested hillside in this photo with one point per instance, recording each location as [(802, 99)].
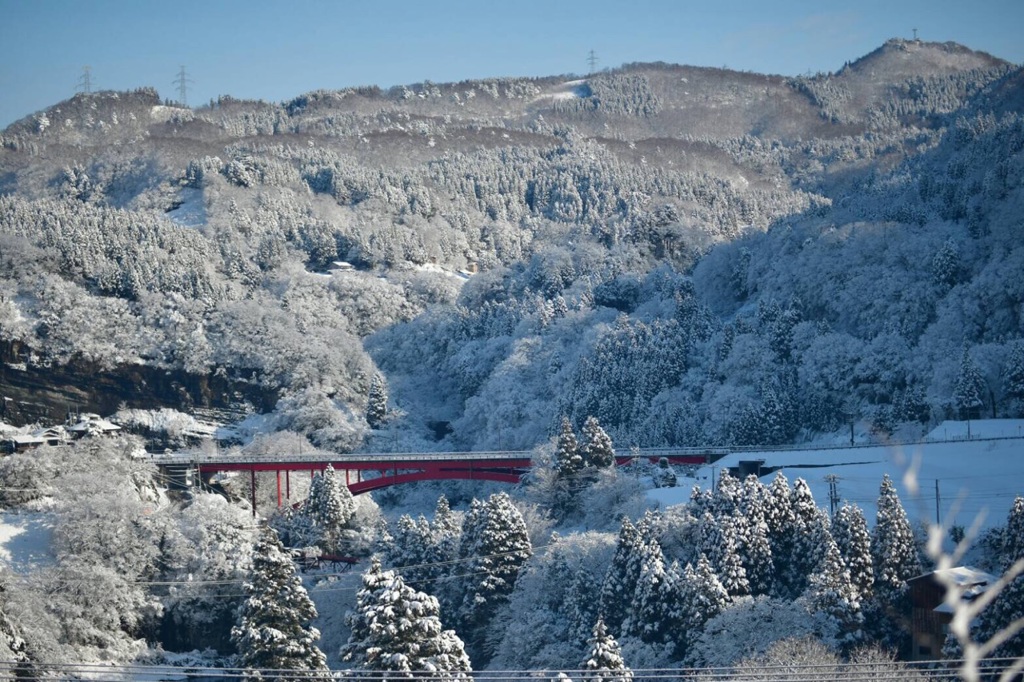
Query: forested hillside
[(691, 255)]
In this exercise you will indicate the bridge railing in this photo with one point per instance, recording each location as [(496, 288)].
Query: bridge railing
[(396, 457)]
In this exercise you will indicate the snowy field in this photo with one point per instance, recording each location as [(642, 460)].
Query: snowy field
[(976, 476), (25, 540)]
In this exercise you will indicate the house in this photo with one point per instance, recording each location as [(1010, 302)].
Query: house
[(92, 425), (930, 615)]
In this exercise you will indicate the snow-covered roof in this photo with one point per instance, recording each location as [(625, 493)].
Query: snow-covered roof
[(26, 439), (962, 576), (92, 423), (971, 581), (51, 432)]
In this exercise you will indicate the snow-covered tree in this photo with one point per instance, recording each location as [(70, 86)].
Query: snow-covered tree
[(273, 631), (892, 546), (1013, 379), (719, 542), (597, 450), (832, 592), (329, 507), (704, 597), (969, 387), (605, 660), (1008, 605), (657, 600), (377, 402), (568, 459), (494, 548), (620, 580), (411, 551), (809, 527), (850, 532), (397, 631)]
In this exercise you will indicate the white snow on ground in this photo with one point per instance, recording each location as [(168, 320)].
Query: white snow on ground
[(25, 539), (192, 212), (974, 476)]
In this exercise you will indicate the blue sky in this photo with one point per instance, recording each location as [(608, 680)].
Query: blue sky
[(276, 50)]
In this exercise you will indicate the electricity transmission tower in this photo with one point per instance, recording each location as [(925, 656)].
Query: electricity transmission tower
[(182, 82), (85, 81), (592, 61)]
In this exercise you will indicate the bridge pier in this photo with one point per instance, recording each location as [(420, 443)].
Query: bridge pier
[(278, 488), (252, 489)]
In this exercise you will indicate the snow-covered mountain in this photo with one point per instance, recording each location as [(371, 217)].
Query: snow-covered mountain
[(692, 255)]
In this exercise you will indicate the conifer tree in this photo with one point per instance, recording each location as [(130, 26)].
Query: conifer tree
[(850, 532), (727, 496), (620, 580), (273, 631), (809, 527), (969, 388), (1008, 605), (719, 543), (892, 546), (568, 460), (597, 447), (1013, 378), (831, 591), (704, 596), (605, 661), (397, 630), (582, 604), (781, 531), (377, 403), (755, 550), (329, 507), (657, 607), (411, 551), (495, 546)]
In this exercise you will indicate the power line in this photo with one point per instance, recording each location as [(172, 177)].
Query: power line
[(592, 61)]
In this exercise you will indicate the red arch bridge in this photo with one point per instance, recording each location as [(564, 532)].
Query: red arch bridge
[(388, 469)]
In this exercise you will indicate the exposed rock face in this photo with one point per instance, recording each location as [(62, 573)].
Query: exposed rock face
[(31, 394)]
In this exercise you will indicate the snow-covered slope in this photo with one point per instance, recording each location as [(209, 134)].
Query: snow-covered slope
[(977, 476)]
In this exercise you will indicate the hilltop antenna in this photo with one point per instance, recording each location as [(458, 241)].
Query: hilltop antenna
[(915, 35), (85, 80), (592, 61), (182, 82)]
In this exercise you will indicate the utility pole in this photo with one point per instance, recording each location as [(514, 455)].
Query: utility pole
[(833, 493), (592, 61), (937, 522), (85, 80), (182, 82)]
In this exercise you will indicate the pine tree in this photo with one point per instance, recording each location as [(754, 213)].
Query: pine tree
[(597, 447), (657, 607), (329, 507), (582, 604), (727, 496), (411, 551), (809, 527), (831, 591), (892, 546), (377, 403), (1008, 605), (850, 532), (704, 596), (273, 631), (781, 524), (495, 546), (568, 460), (620, 580), (969, 388), (1013, 378), (719, 543), (605, 661), (397, 630)]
